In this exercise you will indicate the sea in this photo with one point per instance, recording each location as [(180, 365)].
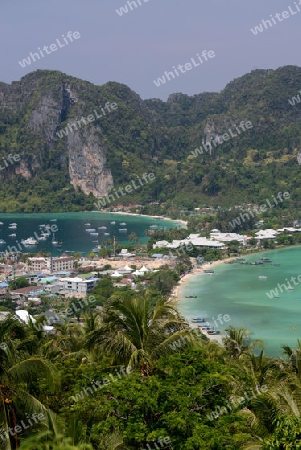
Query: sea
[(235, 290), (69, 229)]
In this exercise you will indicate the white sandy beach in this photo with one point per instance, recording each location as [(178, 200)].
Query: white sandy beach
[(176, 294), (183, 222)]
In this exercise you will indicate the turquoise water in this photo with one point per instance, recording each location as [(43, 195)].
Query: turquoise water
[(237, 291), (71, 230)]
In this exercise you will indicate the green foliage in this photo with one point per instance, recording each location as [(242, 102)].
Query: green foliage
[(248, 168), (19, 283)]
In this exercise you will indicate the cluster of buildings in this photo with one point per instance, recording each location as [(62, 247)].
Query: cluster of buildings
[(58, 277), (219, 240)]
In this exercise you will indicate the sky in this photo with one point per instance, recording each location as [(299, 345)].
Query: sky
[(139, 46)]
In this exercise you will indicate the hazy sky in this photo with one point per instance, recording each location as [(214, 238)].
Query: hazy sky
[(140, 46)]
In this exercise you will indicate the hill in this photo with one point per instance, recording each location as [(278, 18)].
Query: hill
[(76, 141)]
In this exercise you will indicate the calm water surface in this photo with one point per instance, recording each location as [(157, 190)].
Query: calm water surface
[(72, 230), (237, 291)]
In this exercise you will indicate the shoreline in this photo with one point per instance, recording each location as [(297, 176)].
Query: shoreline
[(183, 222), (175, 294)]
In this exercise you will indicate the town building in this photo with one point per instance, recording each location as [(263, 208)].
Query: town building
[(78, 285), (39, 263)]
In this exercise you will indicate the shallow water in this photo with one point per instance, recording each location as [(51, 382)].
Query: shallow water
[(237, 291)]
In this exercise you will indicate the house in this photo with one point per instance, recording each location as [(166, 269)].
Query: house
[(265, 234), (157, 255), (78, 285), (125, 253), (227, 237), (23, 293)]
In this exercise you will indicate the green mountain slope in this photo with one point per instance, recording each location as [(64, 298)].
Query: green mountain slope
[(68, 173)]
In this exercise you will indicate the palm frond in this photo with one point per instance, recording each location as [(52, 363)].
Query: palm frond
[(31, 369)]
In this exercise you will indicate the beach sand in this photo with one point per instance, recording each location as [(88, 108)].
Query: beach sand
[(176, 293), (182, 222)]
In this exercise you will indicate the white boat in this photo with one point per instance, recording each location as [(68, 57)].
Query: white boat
[(122, 224), (12, 235), (113, 223), (46, 235), (52, 220), (2, 241), (123, 230), (94, 234), (54, 242), (262, 277), (42, 238), (29, 241), (106, 234), (90, 230), (102, 228), (12, 227), (1, 223), (290, 288), (87, 224)]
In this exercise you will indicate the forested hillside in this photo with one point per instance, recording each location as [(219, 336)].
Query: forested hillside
[(67, 173)]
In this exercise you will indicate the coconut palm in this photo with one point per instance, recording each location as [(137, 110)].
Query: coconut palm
[(294, 357), (238, 342), (46, 441), (266, 410), (134, 334), (18, 378)]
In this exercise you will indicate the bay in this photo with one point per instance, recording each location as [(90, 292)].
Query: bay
[(71, 230), (237, 291)]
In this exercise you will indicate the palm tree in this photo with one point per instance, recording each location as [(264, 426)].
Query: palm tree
[(134, 334), (238, 342), (18, 378), (134, 238), (294, 357), (266, 410), (46, 441)]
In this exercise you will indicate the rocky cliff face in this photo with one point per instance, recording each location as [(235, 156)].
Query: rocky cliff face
[(82, 150), (66, 163), (87, 163)]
